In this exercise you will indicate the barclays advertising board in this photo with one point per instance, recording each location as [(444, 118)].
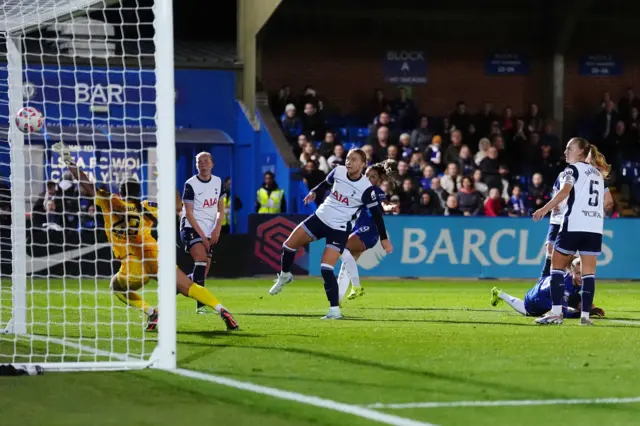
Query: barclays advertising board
[(483, 248), (98, 96)]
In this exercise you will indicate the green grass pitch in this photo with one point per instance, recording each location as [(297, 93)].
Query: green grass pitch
[(403, 342)]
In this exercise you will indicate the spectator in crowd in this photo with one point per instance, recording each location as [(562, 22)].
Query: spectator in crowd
[(310, 154), (428, 206), (451, 180), (507, 119), (503, 170), (417, 163), (338, 158), (53, 218), (498, 143), (633, 124), (386, 188), (496, 130), (328, 144), (516, 206), (446, 127), (408, 197), (404, 110), (538, 192), (490, 169), (494, 205), (368, 151), (453, 150), (460, 118), (546, 165), (469, 200), (439, 191), (382, 143), (434, 153), (422, 136), (519, 160), (310, 96), (302, 142), (625, 148), (483, 147), (466, 164), (427, 174), (549, 138), (606, 98), (478, 183), (393, 153), (52, 193), (279, 102), (605, 125), (396, 203), (229, 204), (534, 120), (406, 150), (485, 118), (88, 221), (404, 171), (70, 202), (628, 102), (313, 122), (378, 105), (313, 177), (270, 198), (473, 136), (382, 120), (452, 207), (291, 124)]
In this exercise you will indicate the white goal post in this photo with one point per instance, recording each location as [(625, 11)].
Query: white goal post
[(66, 319)]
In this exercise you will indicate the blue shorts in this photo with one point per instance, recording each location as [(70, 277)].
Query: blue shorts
[(536, 302), (316, 229), (587, 243), (552, 234), (190, 238), (368, 235)]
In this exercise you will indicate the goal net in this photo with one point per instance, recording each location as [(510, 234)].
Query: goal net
[(101, 73)]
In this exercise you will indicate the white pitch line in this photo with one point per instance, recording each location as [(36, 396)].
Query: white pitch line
[(628, 322), (512, 403), (355, 410), (80, 347)]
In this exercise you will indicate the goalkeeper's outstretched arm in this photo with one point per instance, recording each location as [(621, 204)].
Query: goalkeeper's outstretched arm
[(83, 179)]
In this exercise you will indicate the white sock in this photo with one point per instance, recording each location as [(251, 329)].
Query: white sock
[(584, 314), (150, 311), (219, 307), (514, 302), (343, 281), (556, 310), (334, 309), (352, 267)]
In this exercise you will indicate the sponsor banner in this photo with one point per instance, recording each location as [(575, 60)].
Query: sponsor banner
[(600, 65), (504, 63), (268, 232), (405, 66), (482, 248)]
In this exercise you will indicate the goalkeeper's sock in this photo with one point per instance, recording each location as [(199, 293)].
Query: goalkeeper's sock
[(205, 297), (132, 298), (197, 276), (352, 267), (546, 270), (588, 291), (514, 302), (343, 281), (330, 285), (288, 257)]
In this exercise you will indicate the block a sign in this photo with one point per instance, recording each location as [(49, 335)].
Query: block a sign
[(405, 67)]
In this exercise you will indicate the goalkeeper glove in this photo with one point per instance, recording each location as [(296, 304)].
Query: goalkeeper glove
[(596, 312), (64, 152)]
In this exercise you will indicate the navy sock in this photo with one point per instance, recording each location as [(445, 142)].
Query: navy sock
[(557, 287), (588, 291), (546, 269), (197, 276), (288, 257), (330, 285)]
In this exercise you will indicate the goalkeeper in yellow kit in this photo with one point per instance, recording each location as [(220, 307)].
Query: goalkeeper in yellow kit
[(128, 223)]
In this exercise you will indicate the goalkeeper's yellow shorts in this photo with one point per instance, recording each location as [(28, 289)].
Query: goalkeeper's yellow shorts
[(136, 271)]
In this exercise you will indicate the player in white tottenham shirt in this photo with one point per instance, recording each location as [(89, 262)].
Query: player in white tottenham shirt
[(350, 192), (200, 222), (555, 220), (582, 186)]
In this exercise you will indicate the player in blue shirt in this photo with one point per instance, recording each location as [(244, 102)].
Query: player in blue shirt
[(538, 301), (365, 235)]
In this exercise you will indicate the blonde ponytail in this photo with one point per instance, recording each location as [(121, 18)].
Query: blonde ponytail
[(597, 160)]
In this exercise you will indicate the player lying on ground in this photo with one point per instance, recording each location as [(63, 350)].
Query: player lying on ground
[(537, 301), (351, 192), (365, 235), (200, 219), (128, 223)]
